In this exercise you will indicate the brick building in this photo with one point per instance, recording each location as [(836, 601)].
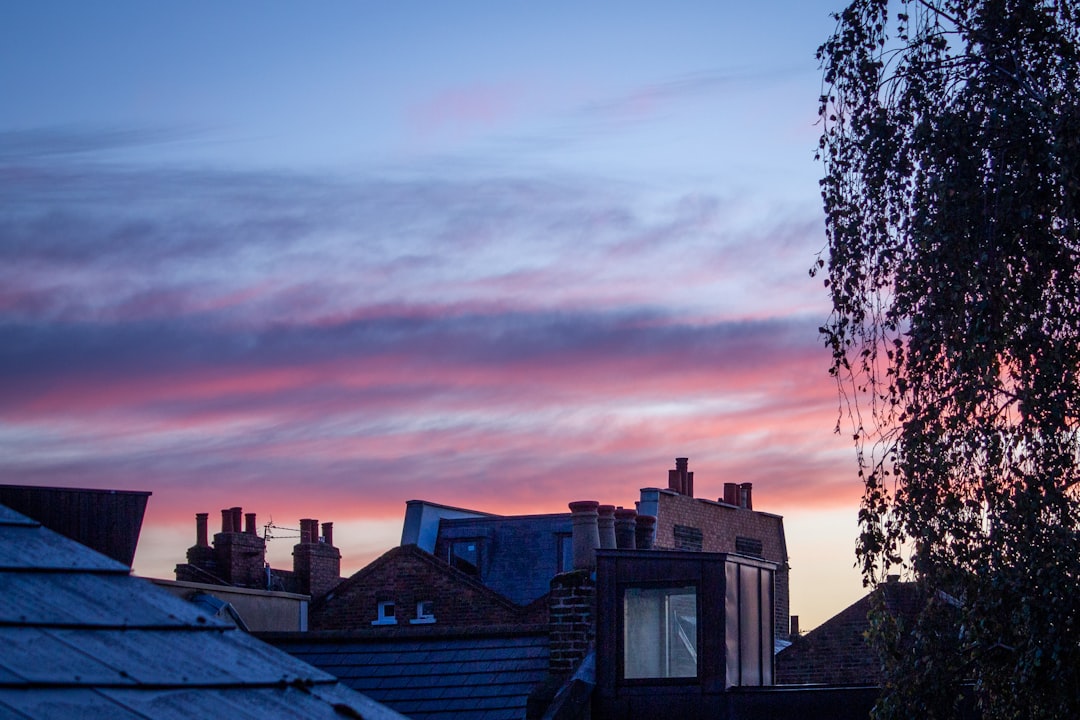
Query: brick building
[(517, 555), (408, 587), (836, 652)]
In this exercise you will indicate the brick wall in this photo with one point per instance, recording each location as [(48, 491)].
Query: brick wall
[(317, 568), (240, 559), (836, 651), (572, 619), (408, 575), (720, 526)]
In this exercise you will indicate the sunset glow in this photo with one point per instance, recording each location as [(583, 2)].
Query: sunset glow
[(318, 261)]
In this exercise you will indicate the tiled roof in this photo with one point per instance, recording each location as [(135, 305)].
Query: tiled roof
[(432, 674), (83, 638)]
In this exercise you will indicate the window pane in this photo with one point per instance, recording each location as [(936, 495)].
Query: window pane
[(749, 625), (465, 556), (660, 632)]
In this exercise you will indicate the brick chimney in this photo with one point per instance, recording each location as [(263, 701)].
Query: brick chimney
[(201, 555), (240, 557), (586, 537), (317, 565), (680, 479), (571, 620)]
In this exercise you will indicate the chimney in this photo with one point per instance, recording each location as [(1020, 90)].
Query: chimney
[(201, 537), (680, 479), (625, 521), (731, 494), (794, 626), (240, 557), (586, 533), (200, 555), (644, 529), (746, 499), (317, 565), (571, 620), (309, 531), (249, 523), (605, 523)]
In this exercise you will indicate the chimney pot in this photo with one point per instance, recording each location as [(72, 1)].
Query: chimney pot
[(625, 521), (226, 520), (746, 498), (605, 523), (644, 529), (237, 519), (201, 537), (680, 479), (731, 493), (328, 533), (794, 626), (309, 531), (586, 537), (249, 524)]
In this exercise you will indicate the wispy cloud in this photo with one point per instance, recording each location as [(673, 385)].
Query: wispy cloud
[(216, 335)]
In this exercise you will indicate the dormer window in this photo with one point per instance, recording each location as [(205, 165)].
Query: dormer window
[(386, 613), (465, 556)]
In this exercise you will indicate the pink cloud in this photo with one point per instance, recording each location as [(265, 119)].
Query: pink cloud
[(464, 110)]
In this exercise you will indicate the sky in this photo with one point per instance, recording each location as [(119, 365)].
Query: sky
[(316, 260)]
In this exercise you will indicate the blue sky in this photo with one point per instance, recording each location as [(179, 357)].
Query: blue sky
[(320, 260)]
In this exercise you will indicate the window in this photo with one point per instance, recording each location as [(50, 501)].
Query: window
[(660, 637), (386, 613), (425, 613), (749, 546), (749, 624), (465, 556), (688, 538)]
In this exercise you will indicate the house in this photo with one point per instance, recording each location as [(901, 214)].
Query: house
[(517, 555), (237, 557), (483, 615), (836, 652), (233, 570), (409, 587), (83, 638)]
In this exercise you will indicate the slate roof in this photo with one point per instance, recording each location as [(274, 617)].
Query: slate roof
[(432, 674), (519, 555), (83, 638)]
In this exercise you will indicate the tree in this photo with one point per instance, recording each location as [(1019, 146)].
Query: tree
[(951, 147)]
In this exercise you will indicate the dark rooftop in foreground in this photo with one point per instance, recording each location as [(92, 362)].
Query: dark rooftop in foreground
[(82, 638), (479, 673)]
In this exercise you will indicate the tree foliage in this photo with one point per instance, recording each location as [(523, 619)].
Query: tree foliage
[(951, 146)]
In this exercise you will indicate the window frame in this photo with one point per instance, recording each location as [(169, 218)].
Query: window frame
[(450, 555), (386, 613), (422, 617), (620, 633)]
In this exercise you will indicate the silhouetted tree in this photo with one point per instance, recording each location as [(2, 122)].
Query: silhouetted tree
[(951, 145)]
